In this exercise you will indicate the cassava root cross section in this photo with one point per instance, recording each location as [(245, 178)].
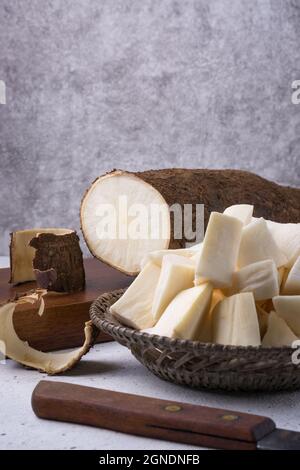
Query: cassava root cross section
[(216, 189)]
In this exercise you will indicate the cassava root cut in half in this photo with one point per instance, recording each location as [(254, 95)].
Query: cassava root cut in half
[(104, 205), (51, 256), (21, 352)]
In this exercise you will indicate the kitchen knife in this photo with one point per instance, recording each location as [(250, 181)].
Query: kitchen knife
[(160, 419)]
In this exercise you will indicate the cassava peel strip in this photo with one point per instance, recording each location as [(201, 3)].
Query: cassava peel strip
[(21, 352)]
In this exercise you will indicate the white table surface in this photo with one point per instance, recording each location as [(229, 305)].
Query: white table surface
[(112, 366)]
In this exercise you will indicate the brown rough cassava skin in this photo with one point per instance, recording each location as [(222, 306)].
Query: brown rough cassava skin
[(58, 262), (218, 189)]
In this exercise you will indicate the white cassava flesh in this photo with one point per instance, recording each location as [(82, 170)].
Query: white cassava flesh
[(185, 314), (219, 252), (217, 296), (177, 274), (260, 278), (282, 274), (118, 224), (257, 244), (22, 254), (288, 308), (235, 321), (157, 256), (134, 308), (204, 333), (278, 333), (21, 352), (263, 319), (291, 285), (243, 212), (287, 238)]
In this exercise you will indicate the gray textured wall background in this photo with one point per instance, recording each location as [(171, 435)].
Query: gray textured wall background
[(97, 84)]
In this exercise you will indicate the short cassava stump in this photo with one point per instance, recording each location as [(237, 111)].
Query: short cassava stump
[(202, 365)]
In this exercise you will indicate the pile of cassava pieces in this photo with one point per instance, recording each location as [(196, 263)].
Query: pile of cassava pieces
[(240, 286)]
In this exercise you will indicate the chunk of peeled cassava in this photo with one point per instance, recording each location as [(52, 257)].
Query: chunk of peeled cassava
[(243, 212), (263, 318), (185, 314), (219, 253), (157, 256), (134, 308), (288, 308), (287, 238), (282, 274), (278, 332), (260, 278), (235, 321), (204, 334), (257, 244), (177, 274), (292, 283)]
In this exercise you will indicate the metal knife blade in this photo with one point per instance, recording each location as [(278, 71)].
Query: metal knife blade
[(280, 439)]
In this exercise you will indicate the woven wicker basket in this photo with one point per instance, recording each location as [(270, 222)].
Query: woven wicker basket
[(201, 365)]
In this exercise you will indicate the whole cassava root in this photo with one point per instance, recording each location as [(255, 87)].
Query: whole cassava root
[(216, 189)]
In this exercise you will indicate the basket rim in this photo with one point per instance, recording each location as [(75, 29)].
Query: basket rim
[(101, 320)]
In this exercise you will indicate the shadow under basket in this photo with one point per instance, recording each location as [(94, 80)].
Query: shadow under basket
[(201, 365)]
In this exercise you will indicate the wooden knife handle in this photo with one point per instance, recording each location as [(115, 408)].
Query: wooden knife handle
[(150, 417)]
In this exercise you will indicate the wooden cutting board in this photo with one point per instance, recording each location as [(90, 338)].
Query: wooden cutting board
[(62, 323)]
